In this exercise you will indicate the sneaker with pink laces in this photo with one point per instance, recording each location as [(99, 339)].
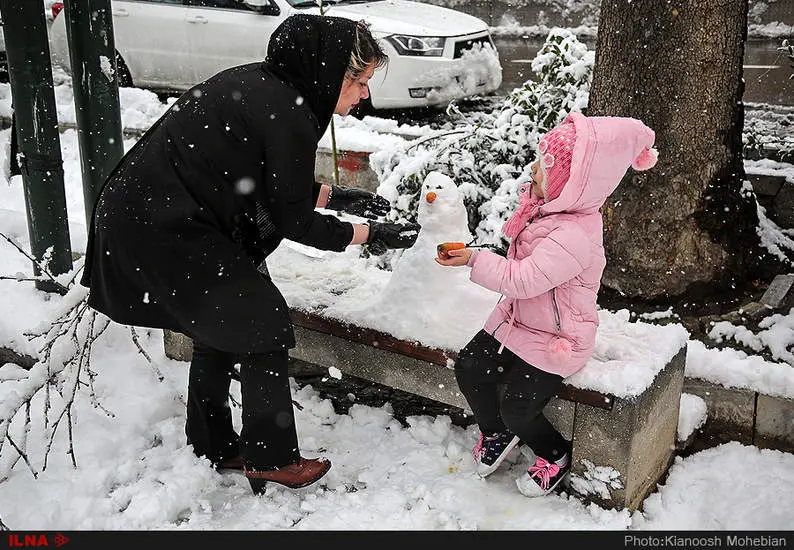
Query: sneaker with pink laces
[(490, 451), (543, 477)]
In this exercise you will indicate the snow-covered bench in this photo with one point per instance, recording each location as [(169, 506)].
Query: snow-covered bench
[(620, 411)]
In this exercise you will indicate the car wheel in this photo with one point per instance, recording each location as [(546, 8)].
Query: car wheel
[(363, 108), (124, 76)]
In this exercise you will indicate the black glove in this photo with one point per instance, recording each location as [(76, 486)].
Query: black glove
[(357, 202), (383, 236)]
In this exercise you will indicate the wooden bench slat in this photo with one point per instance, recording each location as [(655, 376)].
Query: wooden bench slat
[(370, 337), (382, 340)]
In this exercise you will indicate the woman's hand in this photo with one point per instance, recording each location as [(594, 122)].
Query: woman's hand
[(358, 202), (454, 258)]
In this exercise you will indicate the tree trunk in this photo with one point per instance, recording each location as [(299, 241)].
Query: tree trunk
[(684, 228)]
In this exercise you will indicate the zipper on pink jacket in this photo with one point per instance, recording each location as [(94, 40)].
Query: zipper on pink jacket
[(556, 310)]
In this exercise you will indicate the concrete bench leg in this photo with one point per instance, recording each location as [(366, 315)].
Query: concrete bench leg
[(620, 455), (177, 346)]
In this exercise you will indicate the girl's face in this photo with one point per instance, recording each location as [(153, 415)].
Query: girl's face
[(537, 180)]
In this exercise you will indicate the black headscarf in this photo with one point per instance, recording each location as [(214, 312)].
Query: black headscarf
[(312, 53)]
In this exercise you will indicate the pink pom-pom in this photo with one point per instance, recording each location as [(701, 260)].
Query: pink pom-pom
[(646, 159), (559, 349)]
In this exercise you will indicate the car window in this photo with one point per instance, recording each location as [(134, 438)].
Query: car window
[(235, 4)]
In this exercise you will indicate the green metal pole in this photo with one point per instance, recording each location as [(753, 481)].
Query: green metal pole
[(92, 54), (33, 96), (333, 129)]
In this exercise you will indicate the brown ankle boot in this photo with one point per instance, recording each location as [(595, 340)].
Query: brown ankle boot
[(304, 472)]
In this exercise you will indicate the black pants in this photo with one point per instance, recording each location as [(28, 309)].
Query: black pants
[(268, 438), (482, 372)]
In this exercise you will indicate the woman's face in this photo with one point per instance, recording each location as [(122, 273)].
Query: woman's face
[(353, 91)]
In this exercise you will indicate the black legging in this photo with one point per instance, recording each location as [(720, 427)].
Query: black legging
[(481, 371), (268, 438)]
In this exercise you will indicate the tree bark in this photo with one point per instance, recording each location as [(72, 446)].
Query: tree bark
[(685, 228)]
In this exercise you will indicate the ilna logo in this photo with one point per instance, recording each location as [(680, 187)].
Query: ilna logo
[(16, 540)]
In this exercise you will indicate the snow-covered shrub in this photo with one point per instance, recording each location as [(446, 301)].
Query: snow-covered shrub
[(488, 154)]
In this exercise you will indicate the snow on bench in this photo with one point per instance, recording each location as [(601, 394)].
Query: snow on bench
[(403, 328)]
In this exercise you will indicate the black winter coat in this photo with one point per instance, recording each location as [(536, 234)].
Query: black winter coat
[(196, 205)]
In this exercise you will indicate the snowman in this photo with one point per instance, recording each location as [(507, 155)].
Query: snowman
[(443, 218), (416, 301)]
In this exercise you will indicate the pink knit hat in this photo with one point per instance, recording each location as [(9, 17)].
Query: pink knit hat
[(556, 151)]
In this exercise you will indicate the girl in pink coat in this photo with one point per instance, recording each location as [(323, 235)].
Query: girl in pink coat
[(543, 329)]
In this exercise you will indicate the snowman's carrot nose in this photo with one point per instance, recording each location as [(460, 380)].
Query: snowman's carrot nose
[(430, 197)]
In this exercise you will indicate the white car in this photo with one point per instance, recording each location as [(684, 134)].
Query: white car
[(435, 54)]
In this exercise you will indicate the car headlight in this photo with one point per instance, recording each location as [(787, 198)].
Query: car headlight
[(431, 46)]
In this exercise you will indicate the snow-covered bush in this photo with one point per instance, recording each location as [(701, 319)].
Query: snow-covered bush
[(488, 154)]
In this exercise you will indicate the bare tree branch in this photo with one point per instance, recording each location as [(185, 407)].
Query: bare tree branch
[(143, 352), (44, 271), (62, 370)]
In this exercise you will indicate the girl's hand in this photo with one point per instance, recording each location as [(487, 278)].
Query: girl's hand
[(454, 258)]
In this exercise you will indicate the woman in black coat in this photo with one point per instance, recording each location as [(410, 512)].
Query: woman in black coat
[(183, 225)]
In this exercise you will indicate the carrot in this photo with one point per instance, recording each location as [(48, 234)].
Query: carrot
[(444, 248)]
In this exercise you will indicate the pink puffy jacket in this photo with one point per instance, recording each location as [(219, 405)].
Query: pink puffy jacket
[(551, 275)]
